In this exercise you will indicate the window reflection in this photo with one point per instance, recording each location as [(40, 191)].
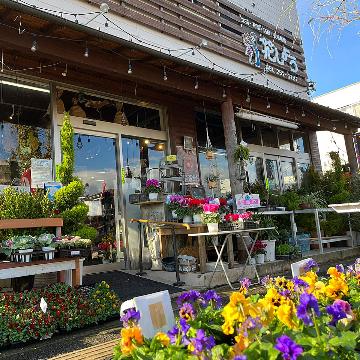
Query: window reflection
[(288, 173), (272, 171), (24, 131), (303, 168), (255, 170), (301, 144)]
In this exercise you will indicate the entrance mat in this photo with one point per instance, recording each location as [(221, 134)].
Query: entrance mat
[(127, 285)]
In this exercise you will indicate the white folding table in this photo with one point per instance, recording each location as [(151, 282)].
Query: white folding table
[(228, 243)]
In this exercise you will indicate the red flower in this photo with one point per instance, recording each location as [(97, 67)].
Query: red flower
[(223, 202)]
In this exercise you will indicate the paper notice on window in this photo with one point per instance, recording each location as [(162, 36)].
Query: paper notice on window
[(41, 172)]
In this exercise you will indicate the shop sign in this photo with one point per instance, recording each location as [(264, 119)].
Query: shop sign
[(261, 48), (52, 187), (247, 201), (41, 172)]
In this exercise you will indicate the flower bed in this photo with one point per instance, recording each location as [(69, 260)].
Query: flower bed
[(22, 318), (306, 317)]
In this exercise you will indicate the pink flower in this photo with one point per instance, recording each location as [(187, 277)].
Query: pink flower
[(210, 208)]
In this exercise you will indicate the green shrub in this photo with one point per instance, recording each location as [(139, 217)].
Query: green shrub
[(64, 171), (74, 218), (334, 224), (87, 232), (68, 196)]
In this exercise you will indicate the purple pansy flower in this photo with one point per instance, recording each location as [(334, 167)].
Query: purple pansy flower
[(211, 296), (307, 305), (189, 296), (187, 311), (311, 265), (245, 283), (338, 310), (201, 343), (179, 331), (340, 268), (290, 349), (130, 316), (299, 284), (173, 334), (285, 293), (240, 357), (265, 280)]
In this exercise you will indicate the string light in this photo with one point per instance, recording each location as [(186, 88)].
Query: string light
[(318, 123), (34, 46), (165, 74), (196, 83), (224, 93), (86, 53), (334, 128), (64, 73), (346, 126), (268, 106), (129, 68), (303, 113), (287, 109), (248, 99), (13, 112)]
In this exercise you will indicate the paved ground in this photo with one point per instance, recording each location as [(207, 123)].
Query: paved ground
[(126, 286)]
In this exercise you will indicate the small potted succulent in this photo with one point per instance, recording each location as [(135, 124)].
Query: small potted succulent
[(152, 188), (259, 252), (211, 217), (47, 244)]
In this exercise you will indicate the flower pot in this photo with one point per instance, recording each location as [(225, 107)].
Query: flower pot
[(213, 227), (25, 255), (260, 258), (49, 252), (174, 214), (269, 250), (197, 219), (153, 196), (252, 261), (212, 184), (187, 219)]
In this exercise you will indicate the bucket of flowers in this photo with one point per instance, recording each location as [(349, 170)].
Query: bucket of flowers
[(196, 209), (259, 251), (175, 202), (211, 217), (153, 189), (47, 245)]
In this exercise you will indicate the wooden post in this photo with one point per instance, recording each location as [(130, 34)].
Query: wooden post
[(227, 113), (350, 149), (230, 251), (76, 273), (202, 254)]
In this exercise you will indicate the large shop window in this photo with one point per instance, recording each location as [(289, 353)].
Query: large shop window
[(24, 129), (119, 112), (301, 143), (255, 170), (214, 171)]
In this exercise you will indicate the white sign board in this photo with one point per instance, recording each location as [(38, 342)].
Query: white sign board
[(247, 201), (298, 268), (156, 314), (41, 172), (17, 188)]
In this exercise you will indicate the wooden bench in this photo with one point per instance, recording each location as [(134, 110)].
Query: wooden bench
[(102, 351), (68, 269)]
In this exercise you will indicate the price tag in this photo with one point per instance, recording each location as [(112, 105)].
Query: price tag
[(75, 252)]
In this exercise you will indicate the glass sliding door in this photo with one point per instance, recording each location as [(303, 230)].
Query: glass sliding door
[(96, 166)]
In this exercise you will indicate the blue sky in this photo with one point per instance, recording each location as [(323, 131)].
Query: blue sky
[(333, 59)]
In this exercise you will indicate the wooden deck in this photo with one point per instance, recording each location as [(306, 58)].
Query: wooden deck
[(102, 351)]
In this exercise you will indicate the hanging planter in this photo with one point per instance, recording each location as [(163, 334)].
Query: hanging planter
[(212, 181), (242, 152), (209, 154)]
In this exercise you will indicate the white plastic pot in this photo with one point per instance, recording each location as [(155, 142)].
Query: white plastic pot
[(197, 219), (269, 250), (252, 261), (49, 252), (213, 227), (25, 255), (174, 214), (153, 196), (187, 219), (260, 258)]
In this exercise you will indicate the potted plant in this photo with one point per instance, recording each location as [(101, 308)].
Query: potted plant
[(24, 244), (268, 237), (242, 152), (286, 251), (108, 248), (211, 217), (46, 242), (209, 153), (314, 200), (212, 181), (259, 252), (152, 188), (175, 202), (185, 213), (196, 208)]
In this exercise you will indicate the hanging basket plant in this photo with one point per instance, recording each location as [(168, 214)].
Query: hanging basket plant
[(209, 154), (242, 153), (212, 181)]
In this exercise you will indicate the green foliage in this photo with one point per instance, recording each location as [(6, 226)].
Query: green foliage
[(241, 153), (65, 170), (290, 199), (68, 196), (74, 218), (311, 181), (334, 224), (24, 205), (285, 249), (87, 232), (314, 200), (259, 187), (212, 218)]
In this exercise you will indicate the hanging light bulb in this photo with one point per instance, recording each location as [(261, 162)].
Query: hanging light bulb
[(248, 99), (287, 109), (129, 68), (267, 82), (268, 106), (106, 24), (224, 93), (334, 128), (165, 74), (104, 8), (346, 126), (252, 78), (64, 73), (303, 113), (79, 143), (13, 112), (196, 83), (318, 123), (86, 53), (34, 46)]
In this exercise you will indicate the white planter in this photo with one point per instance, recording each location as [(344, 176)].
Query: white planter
[(174, 214), (213, 227), (25, 255), (187, 219), (269, 250), (260, 258), (49, 252), (197, 219), (153, 196), (252, 261)]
